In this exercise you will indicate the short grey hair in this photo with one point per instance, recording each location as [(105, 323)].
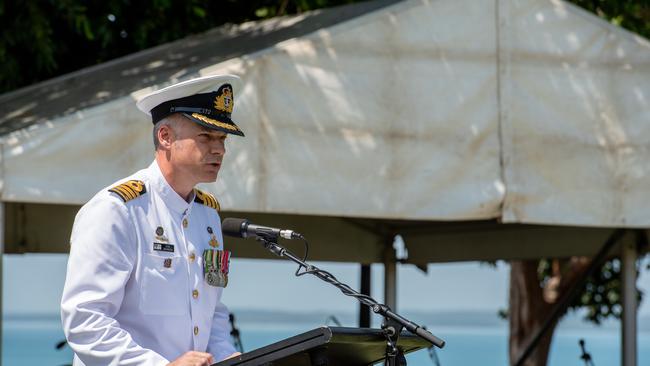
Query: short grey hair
[(167, 121)]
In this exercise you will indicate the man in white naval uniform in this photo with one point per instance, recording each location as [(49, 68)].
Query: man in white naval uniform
[(147, 267)]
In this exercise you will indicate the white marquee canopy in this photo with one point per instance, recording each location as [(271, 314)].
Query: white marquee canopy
[(528, 111)]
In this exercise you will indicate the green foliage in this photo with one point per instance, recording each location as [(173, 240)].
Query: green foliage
[(45, 38), (601, 294), (630, 14)]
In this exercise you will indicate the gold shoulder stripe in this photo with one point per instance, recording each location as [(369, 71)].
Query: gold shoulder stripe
[(207, 199), (129, 190)]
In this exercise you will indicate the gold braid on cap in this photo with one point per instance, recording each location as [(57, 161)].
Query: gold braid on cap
[(129, 190), (214, 122)]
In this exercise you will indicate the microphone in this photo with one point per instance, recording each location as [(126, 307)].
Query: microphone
[(242, 228)]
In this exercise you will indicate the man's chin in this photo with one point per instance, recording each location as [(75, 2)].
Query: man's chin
[(209, 177)]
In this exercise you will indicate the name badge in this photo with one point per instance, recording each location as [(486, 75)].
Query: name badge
[(163, 247)]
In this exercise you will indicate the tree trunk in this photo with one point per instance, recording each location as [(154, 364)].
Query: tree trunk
[(531, 303), (527, 312)]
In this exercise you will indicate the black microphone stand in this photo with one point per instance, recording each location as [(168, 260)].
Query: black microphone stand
[(234, 332), (393, 323), (585, 356)]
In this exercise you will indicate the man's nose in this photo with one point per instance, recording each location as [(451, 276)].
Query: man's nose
[(219, 147)]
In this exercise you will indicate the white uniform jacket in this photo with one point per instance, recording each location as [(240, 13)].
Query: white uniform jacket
[(135, 292)]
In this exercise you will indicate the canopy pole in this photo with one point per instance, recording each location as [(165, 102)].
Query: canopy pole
[(390, 274), (2, 256), (364, 310), (629, 315)]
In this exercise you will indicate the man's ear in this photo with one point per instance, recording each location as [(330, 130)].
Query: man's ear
[(166, 136)]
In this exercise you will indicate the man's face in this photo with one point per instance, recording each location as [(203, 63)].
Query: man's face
[(196, 152)]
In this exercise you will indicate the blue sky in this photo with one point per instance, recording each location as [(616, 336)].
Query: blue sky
[(33, 284)]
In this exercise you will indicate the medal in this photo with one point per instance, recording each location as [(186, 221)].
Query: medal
[(216, 265), (212, 278), (160, 234), (167, 263), (213, 239)]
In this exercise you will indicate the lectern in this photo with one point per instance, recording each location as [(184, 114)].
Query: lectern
[(327, 346)]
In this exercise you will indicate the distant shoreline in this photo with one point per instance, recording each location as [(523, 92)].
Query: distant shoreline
[(479, 319)]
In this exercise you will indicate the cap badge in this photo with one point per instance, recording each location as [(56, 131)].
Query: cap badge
[(223, 102)]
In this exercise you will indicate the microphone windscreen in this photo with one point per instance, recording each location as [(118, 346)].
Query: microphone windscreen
[(233, 227)]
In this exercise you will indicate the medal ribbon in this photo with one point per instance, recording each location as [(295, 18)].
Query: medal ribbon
[(207, 260), (225, 262)]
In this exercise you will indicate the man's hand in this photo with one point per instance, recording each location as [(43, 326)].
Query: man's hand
[(193, 358)]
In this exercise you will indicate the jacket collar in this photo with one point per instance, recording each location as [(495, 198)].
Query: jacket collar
[(173, 200)]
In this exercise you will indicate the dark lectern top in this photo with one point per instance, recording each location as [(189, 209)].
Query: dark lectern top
[(327, 346)]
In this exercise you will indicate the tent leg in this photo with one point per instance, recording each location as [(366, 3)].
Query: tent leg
[(2, 255), (390, 274), (390, 284), (364, 310), (629, 316)]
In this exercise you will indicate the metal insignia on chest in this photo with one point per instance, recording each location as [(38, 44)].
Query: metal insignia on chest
[(160, 234)]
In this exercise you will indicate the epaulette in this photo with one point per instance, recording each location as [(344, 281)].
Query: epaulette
[(129, 190), (207, 199)]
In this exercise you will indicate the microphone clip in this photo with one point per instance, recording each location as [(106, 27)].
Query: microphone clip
[(270, 242)]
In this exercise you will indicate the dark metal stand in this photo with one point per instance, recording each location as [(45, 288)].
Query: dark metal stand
[(585, 356), (392, 330), (393, 323), (234, 333)]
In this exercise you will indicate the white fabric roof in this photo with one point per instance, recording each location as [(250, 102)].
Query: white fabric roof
[(531, 111)]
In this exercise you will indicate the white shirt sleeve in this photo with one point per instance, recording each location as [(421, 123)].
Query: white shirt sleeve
[(102, 254), (220, 345)]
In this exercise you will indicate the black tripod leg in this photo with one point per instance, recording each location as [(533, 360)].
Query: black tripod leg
[(401, 360), (395, 360)]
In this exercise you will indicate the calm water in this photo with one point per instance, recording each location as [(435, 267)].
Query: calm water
[(32, 342)]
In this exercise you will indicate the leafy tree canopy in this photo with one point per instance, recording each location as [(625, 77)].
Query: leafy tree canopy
[(45, 38)]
